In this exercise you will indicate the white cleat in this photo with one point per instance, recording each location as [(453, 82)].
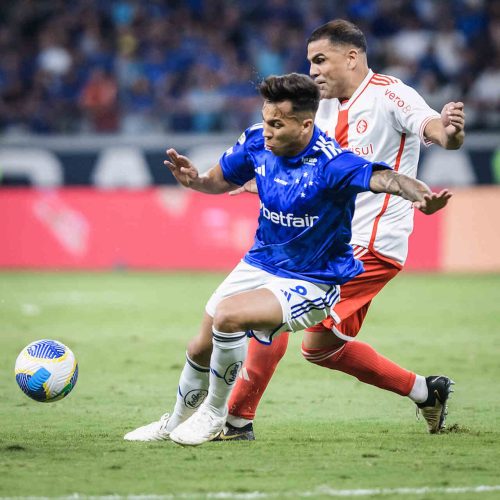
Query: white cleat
[(155, 431), (199, 428)]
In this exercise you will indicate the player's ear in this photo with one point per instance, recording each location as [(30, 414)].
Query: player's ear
[(307, 125), (352, 58)]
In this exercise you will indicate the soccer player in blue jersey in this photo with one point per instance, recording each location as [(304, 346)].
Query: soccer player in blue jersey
[(289, 279)]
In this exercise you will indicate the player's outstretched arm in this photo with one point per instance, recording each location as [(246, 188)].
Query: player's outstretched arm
[(248, 187), (425, 200), (183, 169), (448, 131)]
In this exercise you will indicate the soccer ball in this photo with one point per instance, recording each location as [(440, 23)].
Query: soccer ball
[(46, 370)]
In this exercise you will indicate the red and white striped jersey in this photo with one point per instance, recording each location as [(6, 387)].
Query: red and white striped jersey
[(384, 120)]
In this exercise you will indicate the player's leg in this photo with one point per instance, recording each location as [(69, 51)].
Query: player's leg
[(362, 361), (261, 362), (332, 345), (358, 359), (194, 379), (259, 367), (279, 305), (257, 309), (192, 388)]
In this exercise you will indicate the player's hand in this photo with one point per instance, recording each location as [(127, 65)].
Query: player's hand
[(433, 202), (248, 187), (182, 168), (453, 118)]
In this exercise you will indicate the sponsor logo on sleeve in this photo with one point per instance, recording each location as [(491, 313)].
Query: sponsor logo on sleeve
[(400, 103)]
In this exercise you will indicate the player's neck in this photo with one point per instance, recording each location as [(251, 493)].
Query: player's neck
[(300, 146), (357, 78)]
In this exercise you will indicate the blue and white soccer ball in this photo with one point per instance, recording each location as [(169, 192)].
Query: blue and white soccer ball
[(46, 370)]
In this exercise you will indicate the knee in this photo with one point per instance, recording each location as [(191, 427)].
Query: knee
[(326, 356), (226, 318), (309, 354)]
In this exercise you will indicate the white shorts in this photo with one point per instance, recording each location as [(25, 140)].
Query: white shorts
[(303, 303)]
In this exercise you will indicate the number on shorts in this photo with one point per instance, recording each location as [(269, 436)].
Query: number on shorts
[(301, 290)]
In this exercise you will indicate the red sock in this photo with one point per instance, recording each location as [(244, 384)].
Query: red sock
[(366, 364), (255, 375)]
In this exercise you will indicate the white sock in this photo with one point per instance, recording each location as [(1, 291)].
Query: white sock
[(193, 389), (419, 392), (238, 422), (228, 355)]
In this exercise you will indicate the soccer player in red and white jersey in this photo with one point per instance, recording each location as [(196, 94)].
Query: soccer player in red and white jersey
[(378, 117)]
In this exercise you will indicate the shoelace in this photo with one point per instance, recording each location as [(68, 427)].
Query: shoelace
[(164, 420), (205, 412)]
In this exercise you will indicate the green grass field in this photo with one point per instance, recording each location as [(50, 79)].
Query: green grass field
[(319, 433)]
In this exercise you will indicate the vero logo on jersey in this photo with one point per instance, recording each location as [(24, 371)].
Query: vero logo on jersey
[(261, 170)]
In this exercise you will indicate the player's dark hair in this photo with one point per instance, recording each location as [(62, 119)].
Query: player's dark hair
[(299, 89), (340, 31)]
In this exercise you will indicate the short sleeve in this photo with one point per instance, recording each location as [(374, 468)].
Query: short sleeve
[(350, 174), (236, 163), (409, 109)]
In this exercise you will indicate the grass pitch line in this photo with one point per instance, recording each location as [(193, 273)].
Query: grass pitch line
[(256, 495)]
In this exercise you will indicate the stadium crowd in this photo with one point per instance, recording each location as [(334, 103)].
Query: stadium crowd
[(139, 67)]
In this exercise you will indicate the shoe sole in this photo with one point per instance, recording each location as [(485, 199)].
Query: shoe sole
[(234, 437), (130, 440), (444, 402), (181, 443)]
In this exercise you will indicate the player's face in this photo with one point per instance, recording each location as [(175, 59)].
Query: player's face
[(330, 67), (285, 134)]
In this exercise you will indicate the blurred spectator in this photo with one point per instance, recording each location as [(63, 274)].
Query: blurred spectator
[(138, 109), (448, 44), (434, 93), (133, 66), (204, 99), (484, 96), (99, 102), (412, 40)]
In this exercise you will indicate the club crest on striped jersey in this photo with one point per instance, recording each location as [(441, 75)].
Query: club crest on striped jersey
[(361, 126)]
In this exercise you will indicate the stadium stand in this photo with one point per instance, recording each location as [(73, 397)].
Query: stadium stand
[(142, 67)]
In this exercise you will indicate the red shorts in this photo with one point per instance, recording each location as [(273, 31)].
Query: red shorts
[(357, 294)]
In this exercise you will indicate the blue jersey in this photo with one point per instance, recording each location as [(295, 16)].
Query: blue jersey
[(306, 205)]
